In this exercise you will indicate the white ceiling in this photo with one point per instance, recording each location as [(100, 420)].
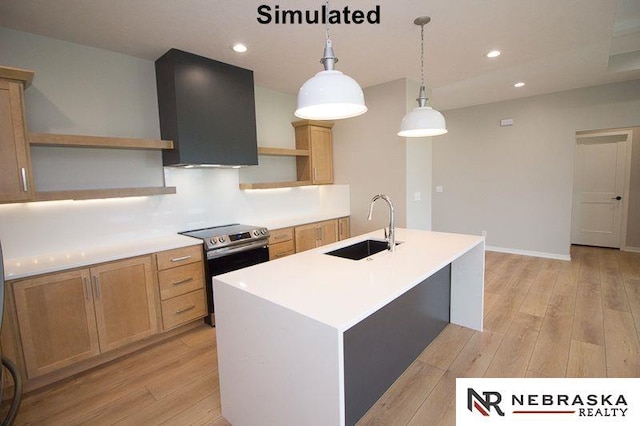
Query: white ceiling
[(552, 45)]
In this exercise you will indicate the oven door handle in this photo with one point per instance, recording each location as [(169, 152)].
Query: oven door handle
[(214, 254)]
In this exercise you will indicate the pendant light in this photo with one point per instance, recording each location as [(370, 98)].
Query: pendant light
[(330, 94), (423, 120)]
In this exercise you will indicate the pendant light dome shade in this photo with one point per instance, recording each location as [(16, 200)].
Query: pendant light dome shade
[(330, 95), (422, 121)]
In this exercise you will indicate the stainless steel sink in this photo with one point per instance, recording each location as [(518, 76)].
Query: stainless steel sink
[(360, 250)]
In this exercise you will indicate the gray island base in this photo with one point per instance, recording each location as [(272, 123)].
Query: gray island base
[(313, 339)]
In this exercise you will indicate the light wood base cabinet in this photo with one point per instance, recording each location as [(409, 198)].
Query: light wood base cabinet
[(344, 228), (67, 317), (316, 234), (181, 280), (56, 319), (281, 243), (125, 303), (59, 324), (184, 308)]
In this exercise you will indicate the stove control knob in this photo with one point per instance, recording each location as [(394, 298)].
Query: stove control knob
[(221, 239), (263, 231), (256, 232), (213, 241)]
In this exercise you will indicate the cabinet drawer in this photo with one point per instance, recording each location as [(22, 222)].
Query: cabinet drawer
[(280, 235), (178, 257), (180, 280), (281, 249), (182, 309)]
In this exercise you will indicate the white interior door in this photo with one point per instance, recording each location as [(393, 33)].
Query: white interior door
[(599, 189)]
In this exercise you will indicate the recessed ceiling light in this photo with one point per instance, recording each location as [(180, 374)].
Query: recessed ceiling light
[(239, 47), (493, 54), (518, 84)]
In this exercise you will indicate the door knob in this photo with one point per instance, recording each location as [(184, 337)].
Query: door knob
[(617, 198)]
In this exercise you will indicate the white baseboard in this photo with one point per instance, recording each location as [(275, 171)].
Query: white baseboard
[(633, 249), (529, 253)]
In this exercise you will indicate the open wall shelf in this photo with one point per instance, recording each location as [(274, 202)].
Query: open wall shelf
[(78, 141), (283, 152), (49, 139), (91, 194)]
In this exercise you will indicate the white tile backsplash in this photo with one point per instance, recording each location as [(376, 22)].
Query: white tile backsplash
[(205, 197)]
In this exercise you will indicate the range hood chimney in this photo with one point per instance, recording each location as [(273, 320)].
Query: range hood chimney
[(207, 108)]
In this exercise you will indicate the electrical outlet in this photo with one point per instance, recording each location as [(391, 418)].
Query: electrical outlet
[(484, 233)]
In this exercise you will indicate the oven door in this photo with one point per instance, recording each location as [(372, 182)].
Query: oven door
[(232, 259)]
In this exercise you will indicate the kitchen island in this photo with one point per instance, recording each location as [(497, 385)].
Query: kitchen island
[(316, 339)]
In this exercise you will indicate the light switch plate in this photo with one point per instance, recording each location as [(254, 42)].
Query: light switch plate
[(439, 188)]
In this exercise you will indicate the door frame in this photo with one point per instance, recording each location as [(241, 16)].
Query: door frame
[(628, 144)]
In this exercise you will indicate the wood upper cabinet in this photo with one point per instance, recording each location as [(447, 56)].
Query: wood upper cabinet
[(314, 136), (15, 162), (56, 320), (125, 302), (67, 317), (316, 234)]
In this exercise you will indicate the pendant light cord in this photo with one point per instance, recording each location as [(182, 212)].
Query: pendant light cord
[(327, 29), (422, 97), (422, 55)]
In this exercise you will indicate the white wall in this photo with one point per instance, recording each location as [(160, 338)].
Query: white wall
[(83, 90), (371, 158), (516, 182), (274, 115)]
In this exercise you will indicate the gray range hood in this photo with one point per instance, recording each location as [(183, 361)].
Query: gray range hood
[(208, 109)]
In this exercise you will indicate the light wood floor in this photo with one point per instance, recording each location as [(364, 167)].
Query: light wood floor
[(543, 318)]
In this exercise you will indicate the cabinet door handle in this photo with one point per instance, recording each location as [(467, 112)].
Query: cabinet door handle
[(23, 173), (87, 288), (180, 311), (180, 259), (340, 228), (97, 284), (184, 281), (315, 174)]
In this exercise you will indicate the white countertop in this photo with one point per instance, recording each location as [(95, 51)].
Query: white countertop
[(341, 292), (52, 262)]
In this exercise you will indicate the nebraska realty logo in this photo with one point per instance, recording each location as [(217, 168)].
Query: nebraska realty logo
[(560, 401)]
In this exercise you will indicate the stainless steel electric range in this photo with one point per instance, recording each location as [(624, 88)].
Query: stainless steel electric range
[(228, 248)]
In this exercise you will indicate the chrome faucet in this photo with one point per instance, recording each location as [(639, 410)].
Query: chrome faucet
[(391, 238)]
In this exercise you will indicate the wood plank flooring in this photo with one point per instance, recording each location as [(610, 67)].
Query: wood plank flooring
[(543, 318)]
